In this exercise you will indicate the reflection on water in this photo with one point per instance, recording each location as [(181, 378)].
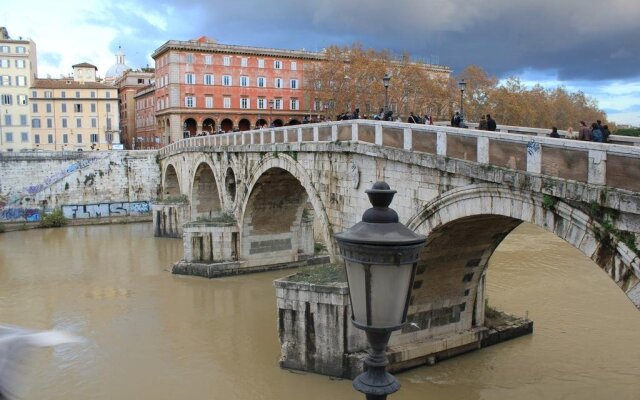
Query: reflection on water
[(153, 335)]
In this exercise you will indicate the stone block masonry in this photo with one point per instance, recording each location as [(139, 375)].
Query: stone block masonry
[(83, 184)]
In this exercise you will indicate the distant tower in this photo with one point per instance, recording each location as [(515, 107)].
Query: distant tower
[(118, 69)]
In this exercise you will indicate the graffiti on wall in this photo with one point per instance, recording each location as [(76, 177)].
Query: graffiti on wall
[(20, 214), (101, 210)]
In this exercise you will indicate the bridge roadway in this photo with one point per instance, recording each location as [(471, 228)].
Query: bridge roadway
[(269, 196)]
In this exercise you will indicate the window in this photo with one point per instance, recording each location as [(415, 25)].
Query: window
[(64, 122), (294, 104), (109, 137), (244, 80), (93, 94), (63, 107), (260, 63), (94, 122), (108, 107), (63, 94), (78, 122), (190, 101), (93, 138), (4, 63), (189, 60), (226, 61), (34, 107), (278, 104), (48, 107), (226, 80), (24, 137), (5, 80), (4, 49), (261, 81), (65, 138), (8, 137), (293, 84), (93, 107), (77, 94), (49, 123), (244, 61), (8, 120), (189, 79), (244, 102), (227, 102), (208, 79), (79, 138), (108, 123), (317, 105), (277, 64), (23, 119), (6, 99), (262, 103), (50, 138), (21, 49), (108, 95), (208, 60), (278, 83), (35, 123), (208, 101), (36, 139), (294, 66), (77, 108)]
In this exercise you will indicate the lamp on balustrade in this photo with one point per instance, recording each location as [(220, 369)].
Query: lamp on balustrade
[(462, 84), (385, 82)]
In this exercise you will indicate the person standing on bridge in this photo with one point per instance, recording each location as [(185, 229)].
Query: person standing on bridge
[(482, 125), (412, 118), (491, 123), (554, 132), (585, 132)]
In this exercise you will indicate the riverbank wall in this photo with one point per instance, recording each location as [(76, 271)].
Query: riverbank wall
[(111, 185)]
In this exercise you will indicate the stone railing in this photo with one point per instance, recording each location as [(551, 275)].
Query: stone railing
[(613, 165)]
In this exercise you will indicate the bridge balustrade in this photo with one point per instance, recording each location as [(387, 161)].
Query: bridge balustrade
[(613, 165)]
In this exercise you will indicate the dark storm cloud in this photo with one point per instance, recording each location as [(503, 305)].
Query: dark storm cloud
[(579, 39)]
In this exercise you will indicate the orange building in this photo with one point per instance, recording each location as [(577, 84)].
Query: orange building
[(146, 134), (203, 87)]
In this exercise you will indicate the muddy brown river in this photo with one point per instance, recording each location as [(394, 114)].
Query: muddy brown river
[(152, 335)]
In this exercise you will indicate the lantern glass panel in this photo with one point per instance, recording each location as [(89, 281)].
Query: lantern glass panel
[(389, 285)]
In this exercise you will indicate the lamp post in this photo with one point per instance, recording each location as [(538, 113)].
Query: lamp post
[(326, 110), (381, 256), (385, 81), (461, 85)]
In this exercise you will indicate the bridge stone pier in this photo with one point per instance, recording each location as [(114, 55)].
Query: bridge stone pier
[(263, 198)]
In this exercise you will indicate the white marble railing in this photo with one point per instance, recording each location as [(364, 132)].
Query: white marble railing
[(528, 150)]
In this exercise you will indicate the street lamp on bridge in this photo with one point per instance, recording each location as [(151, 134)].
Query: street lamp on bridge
[(380, 256), (385, 81), (462, 85)]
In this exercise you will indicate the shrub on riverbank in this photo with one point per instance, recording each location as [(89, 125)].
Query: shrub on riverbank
[(55, 219), (628, 132)]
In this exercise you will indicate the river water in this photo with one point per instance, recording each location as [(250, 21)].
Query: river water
[(152, 335)]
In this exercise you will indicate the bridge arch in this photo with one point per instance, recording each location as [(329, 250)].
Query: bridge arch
[(280, 183), (465, 225), (170, 182), (206, 201)]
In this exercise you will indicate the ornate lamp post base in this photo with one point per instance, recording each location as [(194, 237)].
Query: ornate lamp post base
[(376, 383)]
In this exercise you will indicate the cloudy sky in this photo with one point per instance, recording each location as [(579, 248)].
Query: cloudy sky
[(587, 45)]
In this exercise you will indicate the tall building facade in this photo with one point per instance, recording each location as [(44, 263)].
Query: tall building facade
[(128, 84), (75, 113), (146, 134), (206, 87), (18, 69)]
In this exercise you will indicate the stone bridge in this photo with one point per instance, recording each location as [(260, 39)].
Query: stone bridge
[(268, 196), (264, 198)]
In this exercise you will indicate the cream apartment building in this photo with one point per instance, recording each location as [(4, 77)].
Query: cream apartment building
[(18, 68), (75, 113)]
